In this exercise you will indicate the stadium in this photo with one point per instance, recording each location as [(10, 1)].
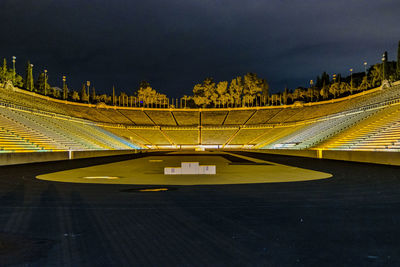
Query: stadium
[(366, 121), (199, 133), (84, 184)]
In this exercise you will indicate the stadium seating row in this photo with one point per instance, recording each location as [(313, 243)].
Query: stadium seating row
[(188, 117), (379, 131), (27, 131), (368, 121)]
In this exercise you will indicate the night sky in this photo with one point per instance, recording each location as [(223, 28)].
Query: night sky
[(175, 44)]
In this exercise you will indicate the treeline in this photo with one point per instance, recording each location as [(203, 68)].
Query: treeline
[(335, 86), (249, 90), (253, 91), (144, 96), (9, 74)]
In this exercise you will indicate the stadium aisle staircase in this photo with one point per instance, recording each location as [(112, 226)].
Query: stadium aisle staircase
[(59, 139), (113, 140), (386, 138), (41, 132), (319, 131), (273, 135), (11, 142), (11, 124), (377, 132)]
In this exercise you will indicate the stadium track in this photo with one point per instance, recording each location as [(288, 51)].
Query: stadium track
[(351, 219)]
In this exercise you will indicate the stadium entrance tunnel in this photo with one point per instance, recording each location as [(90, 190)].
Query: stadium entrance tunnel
[(149, 170)]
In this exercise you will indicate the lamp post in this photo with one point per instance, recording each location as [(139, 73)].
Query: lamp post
[(88, 85), (64, 79), (31, 78), (365, 67), (334, 78), (45, 82), (351, 78), (383, 66), (13, 61)]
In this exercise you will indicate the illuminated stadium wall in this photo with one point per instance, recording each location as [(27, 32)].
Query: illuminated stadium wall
[(365, 121)]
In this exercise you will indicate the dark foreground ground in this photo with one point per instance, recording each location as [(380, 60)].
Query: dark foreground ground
[(352, 219)]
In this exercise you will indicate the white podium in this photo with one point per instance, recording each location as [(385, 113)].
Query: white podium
[(191, 168)]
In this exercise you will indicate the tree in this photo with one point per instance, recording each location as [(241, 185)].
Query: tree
[(202, 93), (29, 77), (75, 96), (324, 93), (199, 97), (364, 84), (94, 98), (310, 94), (7, 74), (264, 88), (236, 90), (344, 88), (55, 92), (3, 71), (84, 97), (123, 99), (104, 98), (339, 78), (376, 74), (318, 82), (18, 81), (221, 93), (285, 96), (113, 96), (300, 94), (252, 87), (144, 84), (209, 87), (398, 62), (321, 80), (150, 96), (65, 90), (334, 89), (40, 83)]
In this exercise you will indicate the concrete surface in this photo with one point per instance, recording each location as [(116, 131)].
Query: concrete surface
[(351, 219)]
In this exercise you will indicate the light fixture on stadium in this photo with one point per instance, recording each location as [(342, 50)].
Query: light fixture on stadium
[(45, 82), (13, 61)]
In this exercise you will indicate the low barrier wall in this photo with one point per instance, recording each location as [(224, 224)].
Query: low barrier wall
[(101, 153), (377, 157), (389, 158), (290, 152), (32, 157)]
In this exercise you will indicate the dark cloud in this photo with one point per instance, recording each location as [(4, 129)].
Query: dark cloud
[(177, 43)]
